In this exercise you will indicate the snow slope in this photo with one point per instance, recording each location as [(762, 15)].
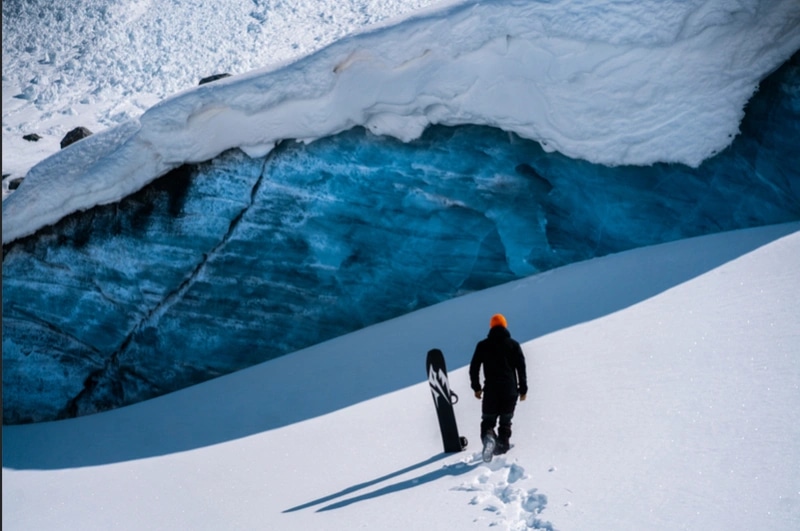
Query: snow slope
[(664, 394), (664, 381), (609, 81), (99, 63)]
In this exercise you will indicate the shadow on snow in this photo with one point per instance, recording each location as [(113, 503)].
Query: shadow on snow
[(381, 358), (455, 469)]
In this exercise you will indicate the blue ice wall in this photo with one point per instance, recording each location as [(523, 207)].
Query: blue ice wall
[(219, 266)]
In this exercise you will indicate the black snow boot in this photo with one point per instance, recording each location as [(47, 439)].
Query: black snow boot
[(503, 440)]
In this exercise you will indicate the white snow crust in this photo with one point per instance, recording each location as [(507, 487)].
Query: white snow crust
[(611, 81)]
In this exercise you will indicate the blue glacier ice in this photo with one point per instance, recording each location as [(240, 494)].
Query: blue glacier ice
[(238, 260)]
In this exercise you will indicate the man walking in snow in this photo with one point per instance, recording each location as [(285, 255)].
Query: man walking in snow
[(505, 380)]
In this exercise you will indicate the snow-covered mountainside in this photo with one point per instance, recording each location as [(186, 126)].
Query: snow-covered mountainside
[(664, 380), (99, 63)]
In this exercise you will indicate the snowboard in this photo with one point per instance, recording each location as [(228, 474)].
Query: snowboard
[(444, 399)]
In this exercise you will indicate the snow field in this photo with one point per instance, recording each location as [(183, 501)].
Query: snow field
[(673, 407), (97, 64), (664, 381)]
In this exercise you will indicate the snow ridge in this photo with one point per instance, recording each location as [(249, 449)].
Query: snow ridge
[(668, 82)]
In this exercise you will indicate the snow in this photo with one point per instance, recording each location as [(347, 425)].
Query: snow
[(663, 394), (612, 82), (98, 63), (664, 380)]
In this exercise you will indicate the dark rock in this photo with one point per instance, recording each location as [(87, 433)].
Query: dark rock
[(32, 137), (73, 136), (13, 184), (215, 77)]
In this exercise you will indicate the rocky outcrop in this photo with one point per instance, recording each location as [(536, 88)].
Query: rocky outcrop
[(73, 136), (215, 77)]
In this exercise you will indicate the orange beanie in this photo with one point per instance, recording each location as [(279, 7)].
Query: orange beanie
[(498, 320)]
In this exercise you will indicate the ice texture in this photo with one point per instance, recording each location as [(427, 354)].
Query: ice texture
[(224, 264)]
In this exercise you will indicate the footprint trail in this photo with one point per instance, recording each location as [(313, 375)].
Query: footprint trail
[(502, 492)]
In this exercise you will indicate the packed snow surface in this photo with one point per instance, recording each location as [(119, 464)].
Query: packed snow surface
[(612, 82), (664, 394), (665, 381)]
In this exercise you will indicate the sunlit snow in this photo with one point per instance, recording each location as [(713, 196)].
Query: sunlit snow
[(664, 381), (609, 82)]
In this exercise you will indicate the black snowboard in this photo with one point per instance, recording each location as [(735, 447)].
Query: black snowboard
[(444, 399)]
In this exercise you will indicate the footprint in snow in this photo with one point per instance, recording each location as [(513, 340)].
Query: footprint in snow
[(499, 490)]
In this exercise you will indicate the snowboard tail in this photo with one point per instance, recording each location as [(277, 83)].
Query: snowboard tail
[(444, 399)]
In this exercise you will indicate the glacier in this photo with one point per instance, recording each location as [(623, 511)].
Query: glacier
[(221, 265), (463, 147)]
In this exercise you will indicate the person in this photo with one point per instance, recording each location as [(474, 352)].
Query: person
[(505, 380)]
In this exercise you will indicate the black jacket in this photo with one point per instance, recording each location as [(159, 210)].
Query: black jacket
[(503, 365)]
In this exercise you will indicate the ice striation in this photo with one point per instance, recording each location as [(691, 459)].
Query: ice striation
[(225, 264)]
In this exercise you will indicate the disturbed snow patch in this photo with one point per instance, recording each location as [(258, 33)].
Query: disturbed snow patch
[(500, 489)]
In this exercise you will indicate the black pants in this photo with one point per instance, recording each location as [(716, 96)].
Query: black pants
[(498, 408)]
